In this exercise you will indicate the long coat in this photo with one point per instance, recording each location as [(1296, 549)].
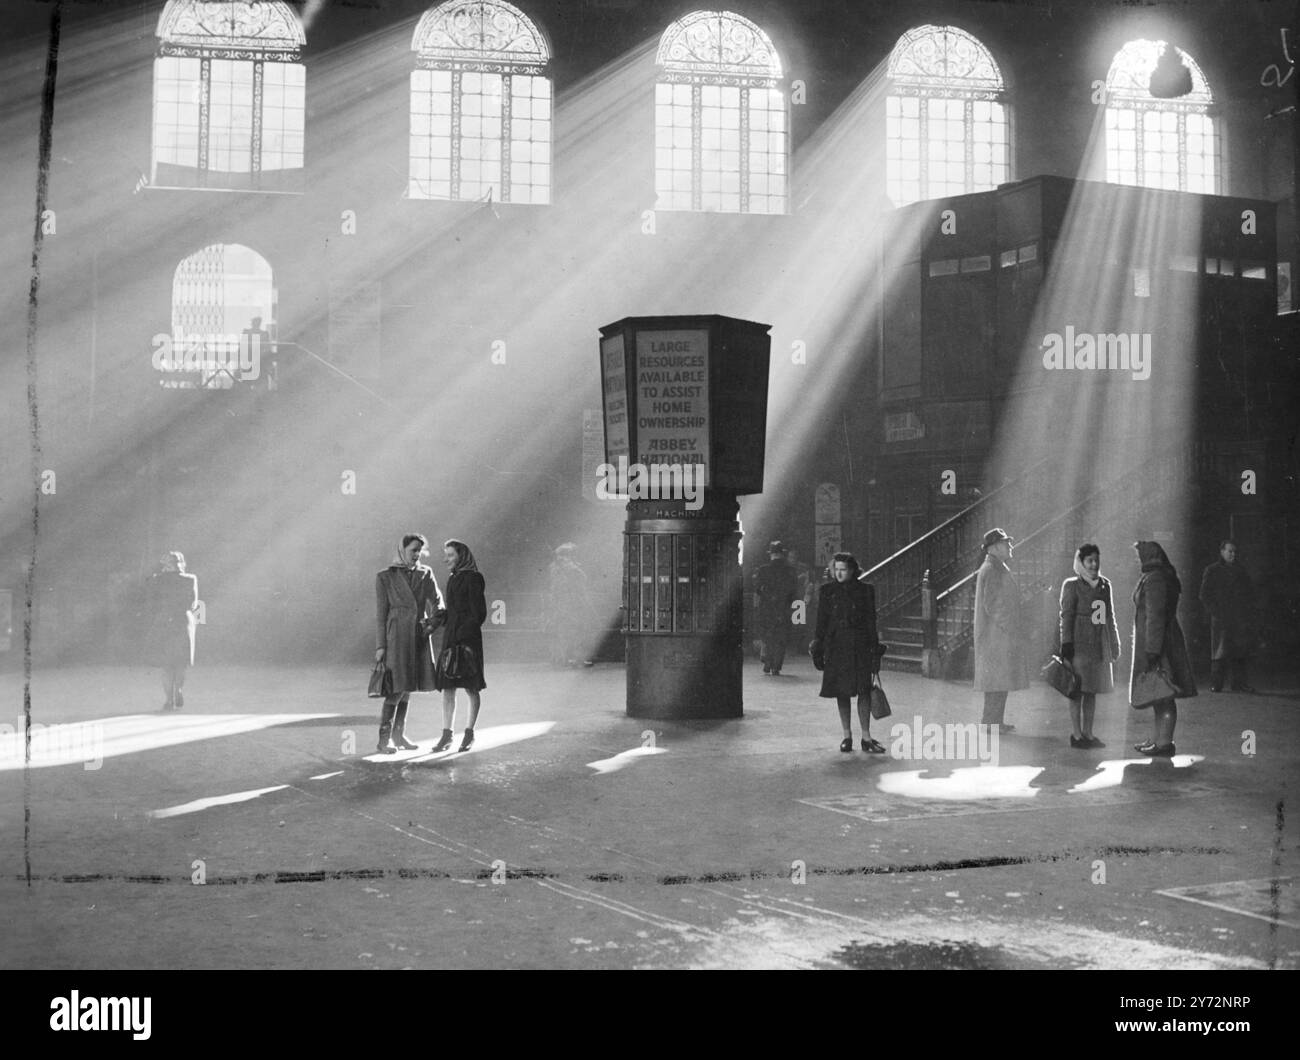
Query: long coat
[(1000, 663), (1096, 644), (1155, 624), (776, 585), (172, 598), (846, 637), (1226, 593), (466, 613), (399, 611)]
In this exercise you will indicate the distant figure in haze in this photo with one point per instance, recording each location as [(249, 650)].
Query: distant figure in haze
[(807, 592), (460, 663), (173, 606), (1158, 643), (568, 607), (1000, 664), (1089, 639), (1228, 598), (408, 609), (846, 647), (776, 584)]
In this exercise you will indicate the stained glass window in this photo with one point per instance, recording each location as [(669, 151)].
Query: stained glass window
[(229, 95), (946, 126), (721, 124), (481, 114), (1158, 143)]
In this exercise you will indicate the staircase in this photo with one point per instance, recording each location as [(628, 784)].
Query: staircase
[(935, 575)]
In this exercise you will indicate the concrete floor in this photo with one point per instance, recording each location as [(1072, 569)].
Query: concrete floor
[(565, 840)]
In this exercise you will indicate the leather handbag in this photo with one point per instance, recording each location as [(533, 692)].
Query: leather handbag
[(458, 663), (1150, 686), (1063, 677), (879, 701), (381, 682)]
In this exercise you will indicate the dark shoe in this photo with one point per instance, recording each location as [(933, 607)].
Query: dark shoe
[(403, 744), (1094, 742), (1213, 689), (846, 744), (1245, 689), (387, 712), (468, 741), (444, 742), (1145, 747), (1163, 752), (1080, 743), (875, 747), (776, 673), (767, 669)]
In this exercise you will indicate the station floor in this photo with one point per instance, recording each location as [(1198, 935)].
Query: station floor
[(257, 829)]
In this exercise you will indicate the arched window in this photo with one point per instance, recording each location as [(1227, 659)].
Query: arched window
[(720, 117), (1158, 143), (481, 119), (945, 117), (223, 315), (229, 96)]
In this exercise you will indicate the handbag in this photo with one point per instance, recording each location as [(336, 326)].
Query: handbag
[(1149, 686), (879, 701), (457, 662), (381, 682), (1063, 677)]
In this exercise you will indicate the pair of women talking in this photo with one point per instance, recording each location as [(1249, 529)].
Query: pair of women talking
[(410, 608)]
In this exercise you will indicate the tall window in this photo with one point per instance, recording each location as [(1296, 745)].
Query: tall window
[(481, 118), (945, 117), (228, 96), (1158, 143), (721, 137)]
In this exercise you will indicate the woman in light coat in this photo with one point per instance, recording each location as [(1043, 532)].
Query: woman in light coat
[(409, 608), (1158, 644), (1089, 639), (1000, 663)]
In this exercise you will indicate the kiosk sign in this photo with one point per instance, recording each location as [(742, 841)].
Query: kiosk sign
[(613, 365), (672, 398)]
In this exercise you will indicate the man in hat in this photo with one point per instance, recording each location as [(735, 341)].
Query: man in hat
[(776, 584), (1000, 663), (1228, 598)]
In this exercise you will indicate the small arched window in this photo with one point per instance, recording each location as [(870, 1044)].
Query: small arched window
[(229, 96), (721, 127), (481, 115), (946, 122), (1158, 143)]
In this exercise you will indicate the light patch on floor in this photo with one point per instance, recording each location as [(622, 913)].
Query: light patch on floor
[(785, 943), (485, 739), (1274, 901), (214, 800), (88, 743), (624, 758)]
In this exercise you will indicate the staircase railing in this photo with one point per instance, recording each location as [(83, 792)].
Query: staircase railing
[(1038, 555), (952, 545)]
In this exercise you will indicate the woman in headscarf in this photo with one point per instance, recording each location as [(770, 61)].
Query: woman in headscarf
[(462, 641), (1089, 639), (1158, 644), (409, 609), (846, 647)]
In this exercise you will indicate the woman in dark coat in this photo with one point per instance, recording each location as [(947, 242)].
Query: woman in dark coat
[(1158, 643), (1089, 639), (408, 607), (1000, 663), (846, 648), (466, 612), (173, 600)]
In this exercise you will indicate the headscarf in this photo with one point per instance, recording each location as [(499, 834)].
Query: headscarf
[(1082, 571), (464, 557), (1152, 557)]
